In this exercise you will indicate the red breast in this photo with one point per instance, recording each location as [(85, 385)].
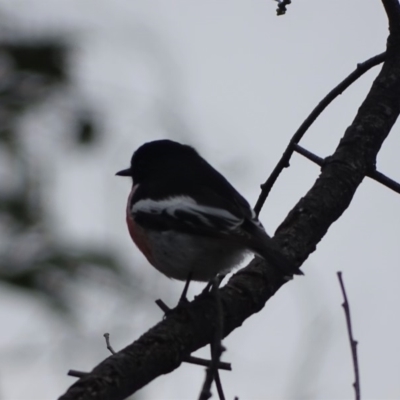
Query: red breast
[(138, 234)]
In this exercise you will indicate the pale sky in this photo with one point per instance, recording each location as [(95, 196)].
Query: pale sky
[(235, 81)]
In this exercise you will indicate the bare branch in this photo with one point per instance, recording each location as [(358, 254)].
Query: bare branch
[(77, 374), (218, 385), (361, 69), (216, 350), (308, 154), (375, 175), (162, 306), (206, 363), (212, 374), (109, 347), (353, 343), (385, 180)]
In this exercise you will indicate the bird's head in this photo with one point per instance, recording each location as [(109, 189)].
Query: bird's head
[(160, 156)]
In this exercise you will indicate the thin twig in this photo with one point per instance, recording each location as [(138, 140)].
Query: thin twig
[(216, 347), (353, 343), (109, 347), (361, 69), (385, 180), (77, 374), (205, 393), (162, 305), (308, 154), (206, 363), (218, 384), (216, 350), (375, 175)]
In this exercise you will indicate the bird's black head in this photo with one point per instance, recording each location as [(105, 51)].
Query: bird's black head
[(160, 156)]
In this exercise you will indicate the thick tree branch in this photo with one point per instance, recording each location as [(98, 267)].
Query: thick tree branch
[(392, 8), (163, 347)]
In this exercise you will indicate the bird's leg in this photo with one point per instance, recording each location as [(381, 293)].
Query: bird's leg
[(215, 281), (183, 299)]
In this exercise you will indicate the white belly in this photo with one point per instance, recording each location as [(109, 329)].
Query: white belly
[(178, 255)]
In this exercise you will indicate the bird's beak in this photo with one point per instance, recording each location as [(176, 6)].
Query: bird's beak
[(124, 172)]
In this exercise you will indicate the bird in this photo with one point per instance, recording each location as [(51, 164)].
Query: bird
[(188, 220)]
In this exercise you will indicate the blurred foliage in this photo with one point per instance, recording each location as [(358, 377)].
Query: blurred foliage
[(86, 133), (31, 257)]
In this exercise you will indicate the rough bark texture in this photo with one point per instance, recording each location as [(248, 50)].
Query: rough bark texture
[(162, 348)]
